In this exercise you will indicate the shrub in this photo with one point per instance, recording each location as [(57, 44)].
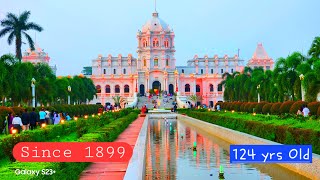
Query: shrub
[(285, 107), (4, 111), (258, 107), (313, 106), (252, 107), (273, 132), (17, 110), (296, 106), (243, 107), (275, 108), (267, 108)]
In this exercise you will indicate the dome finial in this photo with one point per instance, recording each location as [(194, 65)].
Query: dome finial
[(155, 14)]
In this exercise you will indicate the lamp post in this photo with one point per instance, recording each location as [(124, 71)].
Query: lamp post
[(302, 90), (33, 86), (258, 87), (69, 90)]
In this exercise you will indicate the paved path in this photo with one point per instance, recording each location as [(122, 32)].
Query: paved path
[(114, 170)]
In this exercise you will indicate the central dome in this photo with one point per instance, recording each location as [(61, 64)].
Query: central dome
[(155, 24)]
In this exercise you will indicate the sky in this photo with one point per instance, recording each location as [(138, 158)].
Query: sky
[(75, 32)]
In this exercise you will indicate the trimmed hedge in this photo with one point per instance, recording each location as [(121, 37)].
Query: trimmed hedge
[(313, 106), (73, 110), (259, 106), (277, 133), (296, 106), (267, 108), (285, 107), (102, 134), (275, 108), (107, 133), (39, 135)]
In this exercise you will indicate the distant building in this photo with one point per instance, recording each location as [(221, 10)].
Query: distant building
[(260, 58), (37, 56)]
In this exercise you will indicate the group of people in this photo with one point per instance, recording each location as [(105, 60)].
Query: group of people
[(304, 111), (30, 120)]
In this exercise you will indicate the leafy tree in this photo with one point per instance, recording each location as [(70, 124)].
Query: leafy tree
[(16, 27)]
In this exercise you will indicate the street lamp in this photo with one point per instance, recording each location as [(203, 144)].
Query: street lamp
[(302, 90), (69, 90), (33, 86), (258, 87)]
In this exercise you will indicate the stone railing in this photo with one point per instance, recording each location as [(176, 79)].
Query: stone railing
[(134, 102)]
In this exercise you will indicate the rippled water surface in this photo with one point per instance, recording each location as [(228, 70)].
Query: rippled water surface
[(170, 156)]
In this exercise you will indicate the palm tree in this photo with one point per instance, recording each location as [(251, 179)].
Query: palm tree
[(16, 26), (118, 100), (315, 48), (195, 99)]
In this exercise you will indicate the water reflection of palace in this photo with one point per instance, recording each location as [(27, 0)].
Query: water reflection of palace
[(170, 155)]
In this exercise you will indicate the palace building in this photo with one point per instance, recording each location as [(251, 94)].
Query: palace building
[(38, 56), (154, 68)]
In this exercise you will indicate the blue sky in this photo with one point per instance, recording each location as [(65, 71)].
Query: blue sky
[(75, 32)]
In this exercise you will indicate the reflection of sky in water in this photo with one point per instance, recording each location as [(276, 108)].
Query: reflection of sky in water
[(170, 155)]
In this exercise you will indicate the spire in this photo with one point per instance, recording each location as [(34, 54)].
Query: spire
[(260, 53), (155, 14)]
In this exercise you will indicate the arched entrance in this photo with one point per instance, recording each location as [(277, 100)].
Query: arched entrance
[(156, 85), (142, 91), (171, 89)]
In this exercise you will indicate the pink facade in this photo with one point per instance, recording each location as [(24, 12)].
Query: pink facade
[(260, 58), (37, 56), (155, 68)]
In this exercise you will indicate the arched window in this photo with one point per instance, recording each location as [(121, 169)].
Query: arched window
[(98, 88), (182, 70), (104, 71), (219, 87), (155, 42), (155, 61), (166, 43), (108, 89), (144, 62), (117, 89), (144, 43), (167, 62), (211, 87), (124, 71), (114, 71), (197, 88), (201, 71), (126, 88), (187, 88)]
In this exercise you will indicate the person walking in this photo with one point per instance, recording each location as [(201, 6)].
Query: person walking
[(33, 117), (10, 118), (47, 118), (17, 123), (42, 117), (25, 120), (56, 118)]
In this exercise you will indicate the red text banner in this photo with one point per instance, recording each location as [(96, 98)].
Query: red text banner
[(72, 152)]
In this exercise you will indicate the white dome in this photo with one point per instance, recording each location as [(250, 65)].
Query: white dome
[(155, 24)]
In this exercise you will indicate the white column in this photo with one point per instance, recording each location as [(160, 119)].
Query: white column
[(33, 95)]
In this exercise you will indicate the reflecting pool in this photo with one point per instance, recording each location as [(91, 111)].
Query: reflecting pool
[(170, 155)]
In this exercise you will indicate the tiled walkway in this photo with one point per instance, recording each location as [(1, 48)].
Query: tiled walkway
[(114, 170)]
